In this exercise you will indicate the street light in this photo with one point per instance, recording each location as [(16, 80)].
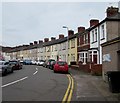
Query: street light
[(67, 43)]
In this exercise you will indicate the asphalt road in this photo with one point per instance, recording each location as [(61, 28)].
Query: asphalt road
[(34, 83)]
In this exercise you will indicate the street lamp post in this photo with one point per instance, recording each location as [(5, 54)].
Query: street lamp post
[(67, 43)]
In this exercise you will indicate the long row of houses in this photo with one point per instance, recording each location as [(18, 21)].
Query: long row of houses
[(99, 45)]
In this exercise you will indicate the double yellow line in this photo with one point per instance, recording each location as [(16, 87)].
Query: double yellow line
[(68, 95)]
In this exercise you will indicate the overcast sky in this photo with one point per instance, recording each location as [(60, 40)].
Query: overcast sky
[(25, 22)]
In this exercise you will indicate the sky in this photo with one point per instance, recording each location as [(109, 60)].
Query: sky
[(25, 22)]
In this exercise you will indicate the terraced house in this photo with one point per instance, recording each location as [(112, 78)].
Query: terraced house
[(89, 48)]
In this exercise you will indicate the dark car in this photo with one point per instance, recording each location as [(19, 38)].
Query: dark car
[(61, 66), (27, 62), (51, 66), (5, 68), (16, 65), (48, 62)]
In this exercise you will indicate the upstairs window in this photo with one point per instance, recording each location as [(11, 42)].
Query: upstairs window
[(72, 43), (68, 44), (95, 35), (102, 32), (55, 49), (72, 57)]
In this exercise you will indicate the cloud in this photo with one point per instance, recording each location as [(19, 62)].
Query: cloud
[(24, 22)]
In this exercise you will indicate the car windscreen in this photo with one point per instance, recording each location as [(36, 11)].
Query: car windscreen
[(13, 62)]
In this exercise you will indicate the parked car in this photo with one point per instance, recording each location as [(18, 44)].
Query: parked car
[(16, 65), (21, 61), (44, 64), (61, 66), (40, 62), (51, 66), (33, 62), (27, 62), (48, 63), (5, 68)]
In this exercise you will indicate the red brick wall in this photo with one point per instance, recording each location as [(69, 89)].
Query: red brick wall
[(94, 69)]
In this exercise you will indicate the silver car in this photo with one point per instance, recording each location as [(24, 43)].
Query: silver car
[(5, 68)]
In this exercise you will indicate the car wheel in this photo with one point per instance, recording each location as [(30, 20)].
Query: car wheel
[(5, 72), (11, 70)]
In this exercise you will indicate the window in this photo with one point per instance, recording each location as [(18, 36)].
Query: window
[(92, 36), (95, 35), (52, 48), (79, 41), (64, 46), (86, 38), (48, 49), (93, 56), (72, 57), (83, 57), (72, 43), (68, 44), (102, 32), (55, 48)]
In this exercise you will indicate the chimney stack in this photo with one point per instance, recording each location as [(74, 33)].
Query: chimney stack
[(53, 38), (46, 39), (61, 36), (31, 43), (94, 22), (112, 11), (35, 42), (40, 41), (81, 29), (70, 32)]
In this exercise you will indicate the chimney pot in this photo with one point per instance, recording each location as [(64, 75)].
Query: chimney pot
[(112, 11), (81, 29), (46, 39), (40, 41), (53, 38), (94, 22), (31, 43), (35, 42), (61, 36), (70, 32)]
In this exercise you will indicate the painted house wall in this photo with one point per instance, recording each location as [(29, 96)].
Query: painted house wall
[(113, 29), (54, 51), (47, 52), (111, 65), (63, 51), (72, 51), (99, 41), (40, 54)]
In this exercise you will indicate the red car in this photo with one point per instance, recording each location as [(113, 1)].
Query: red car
[(61, 66)]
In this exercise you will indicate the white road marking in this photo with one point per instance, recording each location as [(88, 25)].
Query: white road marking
[(14, 82), (35, 71)]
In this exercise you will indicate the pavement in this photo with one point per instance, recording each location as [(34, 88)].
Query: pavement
[(92, 88)]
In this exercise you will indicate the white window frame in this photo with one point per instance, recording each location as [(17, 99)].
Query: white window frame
[(95, 36), (102, 31), (83, 57)]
